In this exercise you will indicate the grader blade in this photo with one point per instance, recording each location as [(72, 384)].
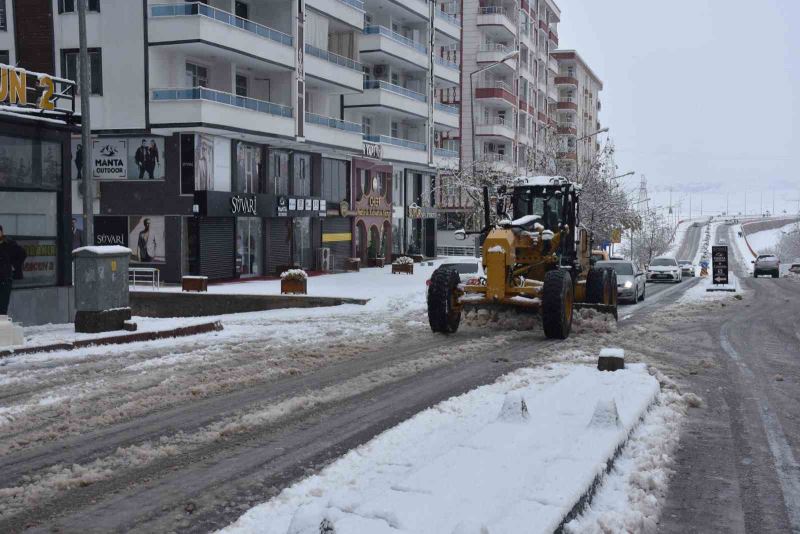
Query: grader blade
[(610, 309)]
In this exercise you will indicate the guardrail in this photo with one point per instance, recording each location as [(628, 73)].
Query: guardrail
[(453, 110), (330, 122), (378, 84), (200, 9), (386, 32), (333, 58), (405, 143), (221, 97)]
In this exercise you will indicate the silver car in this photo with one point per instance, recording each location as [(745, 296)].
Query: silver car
[(687, 269), (630, 279), (767, 264)]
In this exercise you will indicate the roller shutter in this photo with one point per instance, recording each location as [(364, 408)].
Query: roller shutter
[(217, 241), (335, 227), (279, 248)]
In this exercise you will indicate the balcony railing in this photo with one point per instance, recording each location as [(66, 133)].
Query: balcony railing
[(454, 110), (405, 143), (330, 122), (358, 4), (386, 32), (446, 64), (333, 58), (495, 121), (200, 9), (494, 47), (495, 157), (378, 84), (492, 10), (221, 97), (452, 19), (497, 84), (445, 153)]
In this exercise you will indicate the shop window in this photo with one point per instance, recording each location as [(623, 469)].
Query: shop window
[(334, 180), (70, 63), (301, 183), (187, 164), (302, 252), (71, 6), (249, 246), (279, 172), (4, 57), (248, 169), (30, 163)]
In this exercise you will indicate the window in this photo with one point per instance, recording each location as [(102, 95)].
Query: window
[(279, 171), (4, 57), (366, 125), (187, 164), (196, 76), (71, 6), (395, 129), (302, 175), (241, 10), (334, 180), (69, 68), (3, 22), (241, 85)]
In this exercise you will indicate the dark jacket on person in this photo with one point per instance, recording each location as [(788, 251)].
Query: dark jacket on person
[(12, 256)]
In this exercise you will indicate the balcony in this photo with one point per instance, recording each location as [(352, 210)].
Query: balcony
[(191, 23), (497, 17), (567, 128), (349, 11), (398, 149), (447, 71), (543, 26), (552, 64), (445, 158), (333, 132), (446, 115), (498, 91), (570, 154), (567, 103), (333, 68), (494, 52), (447, 24), (379, 40), (218, 109), (498, 162), (496, 127), (566, 81), (553, 38), (380, 93)]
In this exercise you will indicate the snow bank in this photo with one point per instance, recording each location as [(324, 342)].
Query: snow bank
[(766, 241), (104, 250), (461, 467)]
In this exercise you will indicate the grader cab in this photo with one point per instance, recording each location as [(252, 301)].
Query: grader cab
[(539, 261)]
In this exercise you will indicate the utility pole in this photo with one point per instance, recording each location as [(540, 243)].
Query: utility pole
[(745, 202), (86, 130), (761, 206), (690, 205), (727, 204)]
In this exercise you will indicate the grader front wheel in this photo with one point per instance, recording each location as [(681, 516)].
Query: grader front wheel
[(444, 315), (557, 304)]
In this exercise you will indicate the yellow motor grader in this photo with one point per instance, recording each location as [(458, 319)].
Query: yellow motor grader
[(539, 261)]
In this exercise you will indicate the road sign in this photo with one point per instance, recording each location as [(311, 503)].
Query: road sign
[(616, 236), (719, 264)]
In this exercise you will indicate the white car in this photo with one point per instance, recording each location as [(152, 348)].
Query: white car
[(664, 269)]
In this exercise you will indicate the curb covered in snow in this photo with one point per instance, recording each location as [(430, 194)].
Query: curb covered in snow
[(183, 331)]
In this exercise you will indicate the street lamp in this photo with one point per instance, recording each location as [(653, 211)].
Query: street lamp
[(624, 175), (577, 150), (510, 55)]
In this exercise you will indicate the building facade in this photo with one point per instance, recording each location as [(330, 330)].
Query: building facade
[(578, 109), (234, 138)]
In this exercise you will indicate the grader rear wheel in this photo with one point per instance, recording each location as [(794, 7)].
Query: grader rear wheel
[(557, 304), (596, 286), (443, 314)]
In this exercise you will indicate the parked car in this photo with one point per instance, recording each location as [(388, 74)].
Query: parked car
[(664, 268), (687, 268), (767, 264), (470, 271), (630, 279), (795, 266)]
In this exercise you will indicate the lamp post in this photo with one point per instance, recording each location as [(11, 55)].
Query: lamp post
[(510, 55), (577, 150), (631, 173), (86, 128)]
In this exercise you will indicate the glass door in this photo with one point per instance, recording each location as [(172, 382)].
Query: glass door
[(249, 247)]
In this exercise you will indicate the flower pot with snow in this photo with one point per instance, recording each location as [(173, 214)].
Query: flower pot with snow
[(294, 281), (403, 264)]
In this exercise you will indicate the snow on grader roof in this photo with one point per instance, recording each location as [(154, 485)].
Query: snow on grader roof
[(539, 180)]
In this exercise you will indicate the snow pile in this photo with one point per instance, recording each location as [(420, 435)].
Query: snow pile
[(766, 241), (500, 319), (699, 292), (588, 320), (459, 467)]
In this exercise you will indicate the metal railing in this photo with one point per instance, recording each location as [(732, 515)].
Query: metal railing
[(358, 4), (378, 84), (333, 58), (452, 19), (221, 97), (494, 47), (495, 157), (200, 9), (496, 121), (330, 122), (397, 141), (445, 63), (492, 10), (564, 98), (497, 84), (445, 152), (456, 251), (386, 32), (453, 110)]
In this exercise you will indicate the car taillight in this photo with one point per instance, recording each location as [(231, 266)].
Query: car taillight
[(473, 282), (428, 282)]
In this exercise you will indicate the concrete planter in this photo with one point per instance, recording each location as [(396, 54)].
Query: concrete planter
[(404, 268), (295, 287)]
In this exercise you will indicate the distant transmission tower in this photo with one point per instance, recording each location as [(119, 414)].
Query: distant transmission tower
[(643, 200)]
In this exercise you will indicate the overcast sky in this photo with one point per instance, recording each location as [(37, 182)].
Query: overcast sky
[(700, 95)]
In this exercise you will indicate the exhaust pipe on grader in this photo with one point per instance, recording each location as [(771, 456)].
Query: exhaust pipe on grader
[(539, 262)]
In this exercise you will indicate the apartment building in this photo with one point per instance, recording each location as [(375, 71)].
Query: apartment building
[(233, 138), (578, 109), (514, 97)]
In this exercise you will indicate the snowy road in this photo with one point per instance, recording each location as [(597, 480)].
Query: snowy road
[(188, 434)]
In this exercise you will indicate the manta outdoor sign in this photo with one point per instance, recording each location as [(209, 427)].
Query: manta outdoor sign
[(110, 158)]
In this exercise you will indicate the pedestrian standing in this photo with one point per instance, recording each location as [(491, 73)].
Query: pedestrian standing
[(12, 257)]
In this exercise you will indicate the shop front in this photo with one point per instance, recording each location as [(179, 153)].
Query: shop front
[(35, 197), (372, 209)]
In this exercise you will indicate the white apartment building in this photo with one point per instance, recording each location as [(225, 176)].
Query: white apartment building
[(335, 106), (578, 109), (515, 100)]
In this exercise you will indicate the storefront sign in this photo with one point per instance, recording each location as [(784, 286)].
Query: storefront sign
[(111, 230), (420, 212), (110, 158), (283, 207), (373, 150), (40, 266), (14, 88), (243, 206)]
